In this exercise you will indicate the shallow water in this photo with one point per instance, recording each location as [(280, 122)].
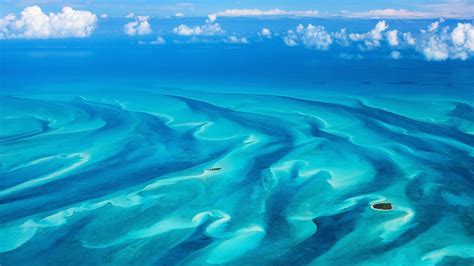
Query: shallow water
[(168, 176), (208, 153)]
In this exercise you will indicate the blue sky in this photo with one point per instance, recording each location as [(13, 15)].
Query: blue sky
[(163, 8)]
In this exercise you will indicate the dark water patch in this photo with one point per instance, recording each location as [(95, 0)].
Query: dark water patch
[(464, 111), (330, 229), (456, 261), (392, 119), (197, 240)]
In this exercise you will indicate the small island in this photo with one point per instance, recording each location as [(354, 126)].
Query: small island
[(385, 206)]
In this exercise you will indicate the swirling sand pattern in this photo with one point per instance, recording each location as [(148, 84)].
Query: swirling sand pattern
[(125, 180)]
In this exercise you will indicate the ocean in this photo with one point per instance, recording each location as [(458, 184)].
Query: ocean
[(203, 152)]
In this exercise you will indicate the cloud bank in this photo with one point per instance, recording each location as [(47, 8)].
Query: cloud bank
[(435, 43), (271, 12), (389, 13), (35, 24)]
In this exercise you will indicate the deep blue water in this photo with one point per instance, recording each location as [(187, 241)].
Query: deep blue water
[(214, 153), (267, 64)]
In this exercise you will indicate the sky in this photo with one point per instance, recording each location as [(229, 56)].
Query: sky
[(448, 33), (164, 8)]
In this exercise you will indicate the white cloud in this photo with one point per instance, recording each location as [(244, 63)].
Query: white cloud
[(462, 38), (372, 38), (347, 56), (435, 49), (315, 37), (388, 13), (440, 45), (187, 31), (463, 35), (341, 37), (395, 55), (35, 24), (209, 28), (104, 16), (435, 43), (392, 38), (451, 8), (158, 41), (138, 27), (271, 12), (211, 18), (237, 40), (409, 39), (290, 39), (434, 26), (130, 15), (266, 33), (179, 14)]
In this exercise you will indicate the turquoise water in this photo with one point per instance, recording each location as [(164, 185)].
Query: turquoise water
[(152, 158)]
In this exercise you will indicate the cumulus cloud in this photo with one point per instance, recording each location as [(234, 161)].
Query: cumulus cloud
[(209, 28), (341, 37), (434, 26), (138, 27), (315, 37), (372, 38), (104, 16), (179, 14), (395, 55), (290, 39), (463, 36), (438, 44), (435, 43), (158, 41), (409, 39), (35, 24), (266, 33), (237, 40), (435, 48), (271, 12), (211, 18), (130, 15), (392, 38)]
